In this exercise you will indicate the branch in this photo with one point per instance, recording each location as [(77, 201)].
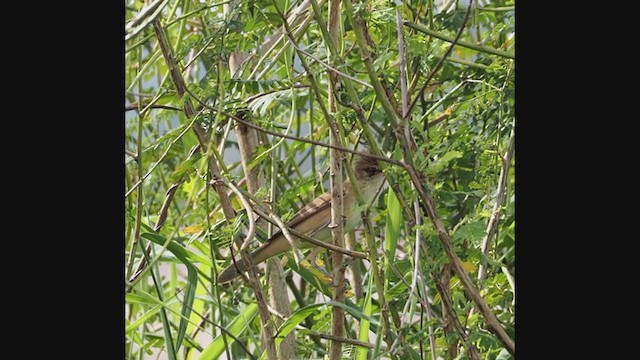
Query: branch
[(273, 40), (181, 89), (162, 216), (449, 315), (337, 210), (297, 138), (429, 207), (260, 208), (227, 208), (439, 119), (334, 70), (442, 59), (339, 339), (446, 38), (356, 254), (358, 26), (354, 266), (493, 220), (247, 206), (226, 332), (134, 106)]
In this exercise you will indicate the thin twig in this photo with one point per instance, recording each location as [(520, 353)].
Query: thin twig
[(162, 216), (291, 137), (446, 303), (227, 332), (402, 65), (134, 106), (448, 39), (354, 266), (181, 89), (131, 154), (442, 59), (138, 219), (278, 35), (429, 207), (356, 254), (498, 9), (439, 119), (259, 208), (164, 154), (358, 28), (338, 339), (247, 206), (227, 208), (448, 326), (331, 68), (495, 215), (265, 93)]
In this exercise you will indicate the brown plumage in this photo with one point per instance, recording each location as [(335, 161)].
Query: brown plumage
[(313, 219)]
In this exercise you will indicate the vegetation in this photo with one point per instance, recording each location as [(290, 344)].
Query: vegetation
[(230, 106)]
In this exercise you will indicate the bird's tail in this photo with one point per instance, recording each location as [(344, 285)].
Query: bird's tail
[(272, 247), (231, 272)]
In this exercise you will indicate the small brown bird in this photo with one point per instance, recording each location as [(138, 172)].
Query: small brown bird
[(314, 218)]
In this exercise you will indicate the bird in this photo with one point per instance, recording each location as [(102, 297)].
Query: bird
[(314, 218)]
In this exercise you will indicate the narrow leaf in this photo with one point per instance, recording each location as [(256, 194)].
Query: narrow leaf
[(394, 219), (237, 326), (190, 288), (361, 352)]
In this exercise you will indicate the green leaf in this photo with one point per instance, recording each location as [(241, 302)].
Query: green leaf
[(139, 321), (297, 317), (263, 103), (400, 288), (361, 352), (237, 326), (184, 167), (503, 355), (394, 219), (142, 298), (309, 277), (473, 231), (190, 288), (178, 250), (443, 161)]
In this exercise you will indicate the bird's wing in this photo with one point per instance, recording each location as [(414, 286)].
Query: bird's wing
[(318, 204)]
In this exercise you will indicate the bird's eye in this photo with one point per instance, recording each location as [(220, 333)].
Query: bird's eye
[(372, 170)]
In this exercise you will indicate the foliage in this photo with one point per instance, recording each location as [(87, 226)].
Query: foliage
[(175, 308)]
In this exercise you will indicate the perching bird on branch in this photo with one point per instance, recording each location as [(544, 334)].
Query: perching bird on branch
[(314, 218)]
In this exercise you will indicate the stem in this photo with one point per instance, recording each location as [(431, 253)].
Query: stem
[(181, 89), (228, 211), (468, 45), (442, 59), (495, 215), (358, 26), (337, 231), (430, 208)]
